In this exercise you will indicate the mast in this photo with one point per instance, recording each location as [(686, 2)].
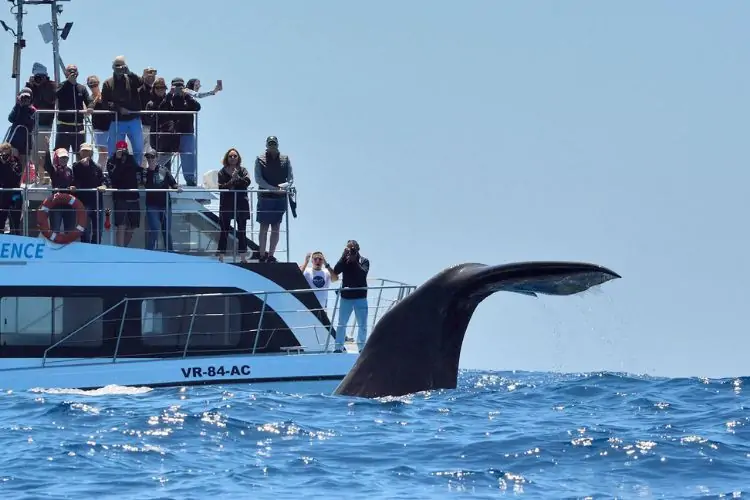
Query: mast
[(20, 44), (51, 32)]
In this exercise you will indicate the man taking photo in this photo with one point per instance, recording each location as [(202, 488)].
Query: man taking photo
[(353, 293)]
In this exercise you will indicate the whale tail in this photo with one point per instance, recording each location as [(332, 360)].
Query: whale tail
[(416, 346)]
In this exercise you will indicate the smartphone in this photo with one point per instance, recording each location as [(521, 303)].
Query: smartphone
[(220, 84)]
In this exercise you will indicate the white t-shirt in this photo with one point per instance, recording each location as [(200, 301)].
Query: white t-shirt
[(319, 279)]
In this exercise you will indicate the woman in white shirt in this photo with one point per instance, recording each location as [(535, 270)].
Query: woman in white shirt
[(319, 276)]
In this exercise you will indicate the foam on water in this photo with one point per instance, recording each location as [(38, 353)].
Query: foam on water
[(538, 435)]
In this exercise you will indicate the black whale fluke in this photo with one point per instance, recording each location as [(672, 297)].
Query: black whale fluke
[(416, 345)]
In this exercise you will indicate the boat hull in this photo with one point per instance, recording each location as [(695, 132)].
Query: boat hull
[(307, 373)]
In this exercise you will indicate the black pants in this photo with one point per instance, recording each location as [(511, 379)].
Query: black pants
[(70, 138), (11, 210), (225, 223)]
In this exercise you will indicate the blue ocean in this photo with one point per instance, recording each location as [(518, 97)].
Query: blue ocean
[(535, 435)]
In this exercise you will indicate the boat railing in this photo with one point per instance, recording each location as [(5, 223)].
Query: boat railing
[(197, 323), (192, 219), (158, 130)]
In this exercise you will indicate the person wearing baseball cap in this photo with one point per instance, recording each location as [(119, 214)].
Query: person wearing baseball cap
[(125, 173), (273, 173)]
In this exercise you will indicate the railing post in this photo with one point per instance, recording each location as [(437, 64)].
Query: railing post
[(122, 327), (377, 306), (330, 330), (260, 321), (288, 214), (190, 330)]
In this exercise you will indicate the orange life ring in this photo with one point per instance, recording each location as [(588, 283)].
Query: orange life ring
[(57, 200)]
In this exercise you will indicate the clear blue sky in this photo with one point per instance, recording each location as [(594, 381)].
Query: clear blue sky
[(486, 131)]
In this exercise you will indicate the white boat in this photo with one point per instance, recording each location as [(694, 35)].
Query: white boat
[(85, 316)]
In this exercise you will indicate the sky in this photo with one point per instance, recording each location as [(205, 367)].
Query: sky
[(485, 131)]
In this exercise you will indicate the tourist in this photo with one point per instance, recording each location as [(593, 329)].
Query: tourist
[(61, 178), (88, 175), (158, 203), (319, 276), (100, 122), (355, 268), (273, 173), (72, 100), (125, 173), (10, 197), (233, 180), (22, 118), (194, 86), (182, 125), (120, 95), (44, 97)]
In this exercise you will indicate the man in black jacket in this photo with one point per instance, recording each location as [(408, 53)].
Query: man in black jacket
[(120, 95), (353, 293), (72, 101)]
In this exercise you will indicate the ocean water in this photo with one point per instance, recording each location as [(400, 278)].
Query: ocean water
[(535, 435)]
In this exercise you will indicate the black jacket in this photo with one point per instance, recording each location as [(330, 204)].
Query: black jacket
[(158, 178), (123, 93), (183, 123), (125, 174), (10, 178), (355, 276), (240, 180), (89, 176), (72, 96)]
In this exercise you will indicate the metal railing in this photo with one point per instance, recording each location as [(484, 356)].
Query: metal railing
[(264, 330), (184, 219), (152, 137)]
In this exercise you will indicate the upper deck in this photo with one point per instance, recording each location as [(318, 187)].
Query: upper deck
[(195, 231), (195, 227)]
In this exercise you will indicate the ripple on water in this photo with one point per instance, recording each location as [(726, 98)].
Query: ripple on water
[(533, 434)]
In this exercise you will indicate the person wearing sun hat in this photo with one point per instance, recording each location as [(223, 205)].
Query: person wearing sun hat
[(88, 175)]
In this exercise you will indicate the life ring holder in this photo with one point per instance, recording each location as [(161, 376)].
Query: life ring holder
[(59, 200)]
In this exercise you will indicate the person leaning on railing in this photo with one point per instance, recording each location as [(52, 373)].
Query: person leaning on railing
[(10, 178), (125, 173), (158, 204), (61, 177), (355, 268), (87, 175), (72, 100)]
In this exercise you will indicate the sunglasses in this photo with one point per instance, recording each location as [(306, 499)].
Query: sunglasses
[(233, 156), (150, 157)]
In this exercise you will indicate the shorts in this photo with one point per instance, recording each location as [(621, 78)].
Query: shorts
[(270, 209), (127, 213)]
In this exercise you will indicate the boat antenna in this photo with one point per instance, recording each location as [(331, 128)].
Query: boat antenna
[(51, 32), (20, 43)]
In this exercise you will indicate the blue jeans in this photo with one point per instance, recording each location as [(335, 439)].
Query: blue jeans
[(188, 160), (133, 129), (346, 307), (62, 219), (94, 228), (158, 220)]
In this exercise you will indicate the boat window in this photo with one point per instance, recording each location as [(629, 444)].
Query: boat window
[(167, 322), (27, 321)]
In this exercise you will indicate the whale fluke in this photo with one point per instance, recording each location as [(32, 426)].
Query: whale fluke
[(416, 346)]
